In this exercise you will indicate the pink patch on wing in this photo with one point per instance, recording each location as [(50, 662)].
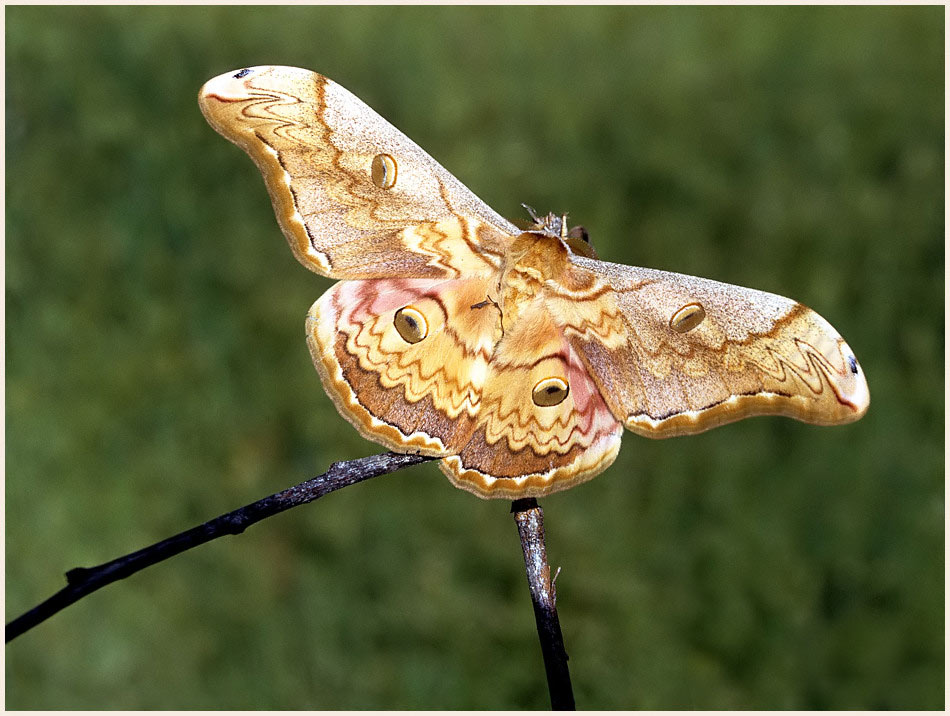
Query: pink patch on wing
[(593, 415), (360, 300)]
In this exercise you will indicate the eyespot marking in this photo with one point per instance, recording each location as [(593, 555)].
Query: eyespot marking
[(550, 391), (383, 171), (687, 318), (853, 364), (241, 73), (411, 324)]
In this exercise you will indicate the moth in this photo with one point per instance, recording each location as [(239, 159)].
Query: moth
[(516, 356)]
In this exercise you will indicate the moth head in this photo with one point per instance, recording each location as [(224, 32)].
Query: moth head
[(576, 238), (550, 224)]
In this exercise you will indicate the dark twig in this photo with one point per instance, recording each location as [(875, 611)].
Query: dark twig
[(530, 521), (85, 580), (528, 516)]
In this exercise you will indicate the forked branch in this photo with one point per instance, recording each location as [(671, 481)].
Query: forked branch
[(85, 580)]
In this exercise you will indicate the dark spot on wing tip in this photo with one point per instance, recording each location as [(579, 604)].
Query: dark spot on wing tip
[(853, 362), (243, 73)]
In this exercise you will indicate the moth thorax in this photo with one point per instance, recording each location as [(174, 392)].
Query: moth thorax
[(532, 259), (541, 256)]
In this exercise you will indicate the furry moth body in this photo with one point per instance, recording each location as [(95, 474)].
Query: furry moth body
[(514, 356)]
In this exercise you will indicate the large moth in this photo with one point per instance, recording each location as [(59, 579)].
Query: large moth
[(515, 356)]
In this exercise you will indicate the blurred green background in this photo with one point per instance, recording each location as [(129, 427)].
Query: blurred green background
[(157, 373)]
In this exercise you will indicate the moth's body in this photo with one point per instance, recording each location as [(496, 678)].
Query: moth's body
[(532, 259), (515, 356)]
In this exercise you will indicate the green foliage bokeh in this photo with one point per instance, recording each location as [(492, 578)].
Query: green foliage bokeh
[(157, 373)]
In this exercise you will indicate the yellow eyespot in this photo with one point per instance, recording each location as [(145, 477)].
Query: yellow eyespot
[(411, 324), (383, 171), (687, 318), (549, 391)]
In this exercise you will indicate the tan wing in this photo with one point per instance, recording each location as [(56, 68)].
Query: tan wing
[(675, 355), (354, 196), (441, 386)]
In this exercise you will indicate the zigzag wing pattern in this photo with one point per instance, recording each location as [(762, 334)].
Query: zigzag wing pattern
[(464, 392), (750, 353), (354, 196)]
